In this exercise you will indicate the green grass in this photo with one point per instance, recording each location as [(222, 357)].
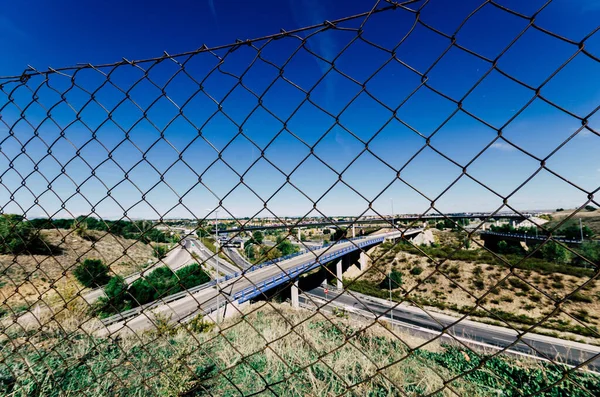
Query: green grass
[(317, 358)]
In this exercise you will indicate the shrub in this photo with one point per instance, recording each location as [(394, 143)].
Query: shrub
[(159, 251), (191, 276), (20, 237), (518, 283), (579, 297), (479, 284), (92, 273), (392, 279), (415, 271)]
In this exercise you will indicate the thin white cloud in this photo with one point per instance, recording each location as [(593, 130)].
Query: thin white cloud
[(502, 146)]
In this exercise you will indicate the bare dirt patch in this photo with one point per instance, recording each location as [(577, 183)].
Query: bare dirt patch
[(24, 279)]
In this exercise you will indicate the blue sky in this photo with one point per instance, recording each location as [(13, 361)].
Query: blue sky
[(66, 33)]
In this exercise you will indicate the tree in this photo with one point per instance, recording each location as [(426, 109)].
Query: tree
[(554, 252), (590, 250), (286, 247), (18, 236), (92, 273), (249, 250), (590, 208), (573, 232), (392, 280), (191, 276), (159, 251), (258, 237)]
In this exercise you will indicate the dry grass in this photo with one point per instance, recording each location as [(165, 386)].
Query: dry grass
[(456, 285), (590, 219), (25, 279)]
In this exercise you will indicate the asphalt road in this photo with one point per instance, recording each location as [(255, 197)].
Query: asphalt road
[(208, 258), (236, 257), (206, 300), (409, 317)]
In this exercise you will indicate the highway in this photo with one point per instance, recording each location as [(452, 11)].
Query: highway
[(242, 287), (472, 333), (387, 220), (236, 257)]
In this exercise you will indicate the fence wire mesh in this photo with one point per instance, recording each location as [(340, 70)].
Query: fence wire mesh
[(97, 301)]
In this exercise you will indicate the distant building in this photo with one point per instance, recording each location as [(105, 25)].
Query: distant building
[(531, 222)]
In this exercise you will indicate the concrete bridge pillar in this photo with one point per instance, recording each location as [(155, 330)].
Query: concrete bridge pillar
[(338, 274), (353, 231), (295, 301), (299, 237), (363, 261)]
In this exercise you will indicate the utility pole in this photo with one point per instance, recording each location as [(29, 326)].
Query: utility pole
[(392, 201), (581, 229), (391, 304), (217, 257)]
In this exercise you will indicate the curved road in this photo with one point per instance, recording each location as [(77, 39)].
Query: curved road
[(430, 325)]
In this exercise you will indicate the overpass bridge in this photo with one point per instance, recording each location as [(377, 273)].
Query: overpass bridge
[(493, 238), (220, 300), (377, 221)]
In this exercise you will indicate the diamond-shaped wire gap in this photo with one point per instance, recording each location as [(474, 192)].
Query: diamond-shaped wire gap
[(143, 135), (412, 51), (570, 88), (496, 99), (219, 131), (199, 109), (396, 144), (364, 117), (126, 115), (539, 192), (220, 179), (368, 176), (46, 97), (429, 173), (425, 111), (393, 84), (489, 31), (404, 199), (161, 155), (218, 84), (282, 88), (539, 129), (238, 104), (370, 58), (312, 177), (462, 138), (252, 203), (586, 21), (260, 128), (264, 179), (534, 57), (309, 123), (161, 113), (584, 172), (447, 22), (502, 168), (456, 73), (260, 76), (465, 191), (338, 148), (334, 92), (387, 29)]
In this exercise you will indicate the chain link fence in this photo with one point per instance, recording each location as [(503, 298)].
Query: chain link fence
[(116, 280)]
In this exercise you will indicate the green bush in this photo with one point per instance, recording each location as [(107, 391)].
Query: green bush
[(392, 280), (157, 284), (18, 236), (415, 271), (92, 273), (159, 251)]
